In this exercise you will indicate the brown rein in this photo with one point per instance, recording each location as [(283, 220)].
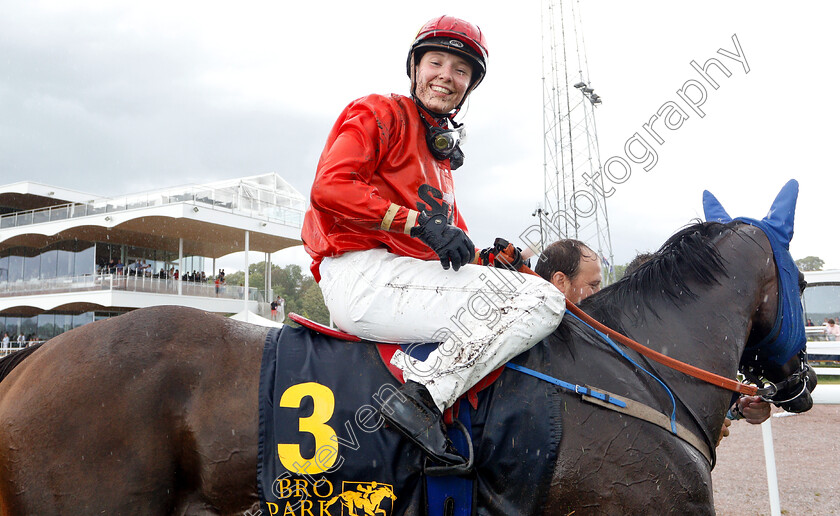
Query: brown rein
[(696, 372)]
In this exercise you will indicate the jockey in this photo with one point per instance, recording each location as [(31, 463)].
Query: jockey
[(382, 221)]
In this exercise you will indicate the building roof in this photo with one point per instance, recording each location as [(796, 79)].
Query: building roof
[(211, 218)]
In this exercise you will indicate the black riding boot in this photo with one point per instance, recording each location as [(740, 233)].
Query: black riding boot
[(412, 412)]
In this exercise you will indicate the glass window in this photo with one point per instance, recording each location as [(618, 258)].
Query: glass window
[(85, 259), (821, 302), (63, 322), (4, 268), (46, 326), (15, 267), (29, 326), (31, 267), (48, 264), (82, 319), (64, 263)]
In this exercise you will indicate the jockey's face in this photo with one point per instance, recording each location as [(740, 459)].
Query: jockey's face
[(442, 80)]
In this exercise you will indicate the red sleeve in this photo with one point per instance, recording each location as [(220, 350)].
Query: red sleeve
[(354, 150)]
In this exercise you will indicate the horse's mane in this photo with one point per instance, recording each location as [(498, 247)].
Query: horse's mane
[(11, 361), (688, 257)]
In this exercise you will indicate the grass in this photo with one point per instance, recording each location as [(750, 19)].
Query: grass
[(828, 380)]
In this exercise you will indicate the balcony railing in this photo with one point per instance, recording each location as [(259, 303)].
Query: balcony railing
[(287, 210), (122, 282), (14, 346)]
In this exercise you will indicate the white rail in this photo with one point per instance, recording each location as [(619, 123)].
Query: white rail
[(137, 283)]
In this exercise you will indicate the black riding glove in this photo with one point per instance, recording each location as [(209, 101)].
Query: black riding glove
[(449, 242)]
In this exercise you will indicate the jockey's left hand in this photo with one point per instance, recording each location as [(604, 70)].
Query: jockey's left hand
[(503, 255), (754, 409)]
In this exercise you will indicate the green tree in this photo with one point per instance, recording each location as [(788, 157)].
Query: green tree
[(619, 271), (301, 292), (810, 263)]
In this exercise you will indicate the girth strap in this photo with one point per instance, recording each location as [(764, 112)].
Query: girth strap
[(626, 406), (646, 413)]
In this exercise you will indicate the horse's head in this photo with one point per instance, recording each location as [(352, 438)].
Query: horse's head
[(774, 357)]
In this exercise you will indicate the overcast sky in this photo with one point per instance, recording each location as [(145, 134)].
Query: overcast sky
[(114, 97)]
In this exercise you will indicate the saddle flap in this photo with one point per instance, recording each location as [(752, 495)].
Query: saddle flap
[(320, 328)]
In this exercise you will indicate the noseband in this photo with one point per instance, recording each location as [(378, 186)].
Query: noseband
[(770, 391)]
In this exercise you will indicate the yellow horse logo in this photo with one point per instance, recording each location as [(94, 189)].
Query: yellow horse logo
[(368, 498)]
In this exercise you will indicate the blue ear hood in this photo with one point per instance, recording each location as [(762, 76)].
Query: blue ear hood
[(713, 209), (788, 335)]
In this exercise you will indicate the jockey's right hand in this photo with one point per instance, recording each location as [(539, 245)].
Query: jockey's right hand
[(502, 255), (450, 243)]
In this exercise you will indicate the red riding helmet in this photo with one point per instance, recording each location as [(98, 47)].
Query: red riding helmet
[(452, 35)]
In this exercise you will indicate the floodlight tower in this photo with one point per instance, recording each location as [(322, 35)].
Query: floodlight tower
[(575, 201)]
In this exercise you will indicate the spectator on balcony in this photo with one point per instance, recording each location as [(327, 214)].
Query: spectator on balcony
[(218, 283), (21, 340), (6, 340), (120, 267), (832, 330), (203, 277)]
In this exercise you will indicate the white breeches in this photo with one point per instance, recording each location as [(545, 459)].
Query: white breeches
[(483, 316)]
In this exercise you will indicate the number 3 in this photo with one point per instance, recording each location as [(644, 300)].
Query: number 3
[(326, 440)]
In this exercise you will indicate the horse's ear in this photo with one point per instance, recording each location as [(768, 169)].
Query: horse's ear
[(780, 216), (713, 209)]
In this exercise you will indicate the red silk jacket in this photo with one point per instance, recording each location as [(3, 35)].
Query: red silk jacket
[(375, 173)]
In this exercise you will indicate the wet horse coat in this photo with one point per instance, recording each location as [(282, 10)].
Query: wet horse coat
[(155, 412)]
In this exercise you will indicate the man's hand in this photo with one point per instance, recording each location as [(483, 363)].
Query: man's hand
[(724, 431), (753, 409), (450, 243)]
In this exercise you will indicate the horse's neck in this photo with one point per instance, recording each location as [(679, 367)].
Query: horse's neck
[(710, 331)]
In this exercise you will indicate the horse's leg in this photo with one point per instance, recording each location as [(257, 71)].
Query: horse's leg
[(221, 424), (614, 464)]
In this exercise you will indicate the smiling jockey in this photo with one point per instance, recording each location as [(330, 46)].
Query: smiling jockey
[(382, 221)]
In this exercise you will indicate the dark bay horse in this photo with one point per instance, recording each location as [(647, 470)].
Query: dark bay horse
[(155, 412)]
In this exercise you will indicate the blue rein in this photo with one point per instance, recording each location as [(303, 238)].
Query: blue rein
[(579, 389)]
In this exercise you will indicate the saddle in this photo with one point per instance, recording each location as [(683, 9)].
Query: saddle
[(386, 352)]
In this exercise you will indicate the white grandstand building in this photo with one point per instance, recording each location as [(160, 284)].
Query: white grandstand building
[(68, 258)]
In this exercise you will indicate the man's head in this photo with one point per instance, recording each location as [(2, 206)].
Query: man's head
[(451, 37), (572, 267), (637, 262)]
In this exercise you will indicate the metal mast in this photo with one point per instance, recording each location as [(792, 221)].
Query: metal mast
[(575, 204)]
